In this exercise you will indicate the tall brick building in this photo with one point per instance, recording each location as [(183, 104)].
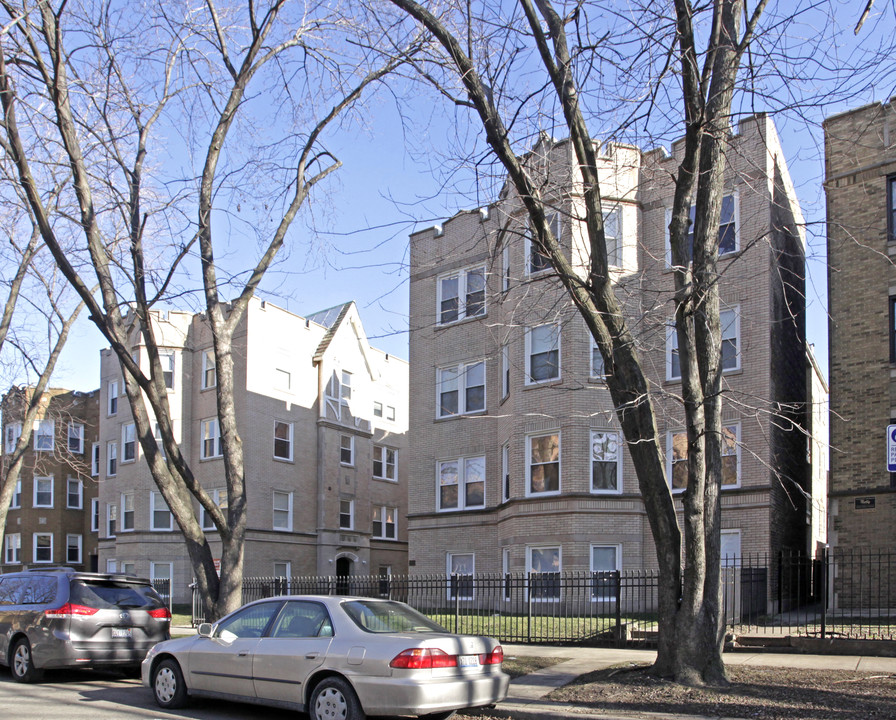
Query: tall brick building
[(322, 416), (53, 515), (518, 463), (860, 185)]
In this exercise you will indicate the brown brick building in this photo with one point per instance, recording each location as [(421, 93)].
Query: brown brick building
[(518, 463), (860, 185), (53, 516)]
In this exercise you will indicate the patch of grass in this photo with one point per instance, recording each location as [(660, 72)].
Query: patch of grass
[(518, 666)]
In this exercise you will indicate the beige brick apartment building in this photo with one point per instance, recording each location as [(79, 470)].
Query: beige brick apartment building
[(54, 514), (518, 464), (860, 185), (322, 416)]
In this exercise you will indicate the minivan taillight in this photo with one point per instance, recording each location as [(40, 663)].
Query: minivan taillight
[(423, 659), (161, 613), (70, 610), (495, 657)]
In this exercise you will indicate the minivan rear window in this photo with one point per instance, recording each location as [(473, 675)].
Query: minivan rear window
[(103, 594)]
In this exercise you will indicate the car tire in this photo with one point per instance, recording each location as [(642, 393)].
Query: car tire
[(22, 663), (168, 686), (444, 715), (334, 699)]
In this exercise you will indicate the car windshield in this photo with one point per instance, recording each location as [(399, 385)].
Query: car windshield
[(111, 594), (388, 617)]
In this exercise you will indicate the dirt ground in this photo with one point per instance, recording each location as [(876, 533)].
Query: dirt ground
[(757, 693)]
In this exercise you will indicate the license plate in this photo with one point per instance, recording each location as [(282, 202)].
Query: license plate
[(468, 660), (121, 632)]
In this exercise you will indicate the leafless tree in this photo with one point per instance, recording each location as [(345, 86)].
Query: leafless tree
[(131, 97)]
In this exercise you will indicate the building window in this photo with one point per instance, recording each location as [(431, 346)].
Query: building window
[(543, 464), (166, 359), (728, 235), (598, 369), (346, 514), (95, 515), (461, 295), (377, 409), (16, 501), (505, 472), (127, 512), (537, 260), (210, 438), (461, 389), (390, 412), (219, 496), (385, 522), (544, 565), (112, 406), (159, 513), (461, 569), (345, 392), (74, 494), (75, 438), (209, 370), (891, 207), (282, 510), (128, 568), (613, 236), (43, 492), (385, 463), (678, 456), (13, 549), (542, 353), (73, 549), (505, 371), (605, 566), (505, 269), (111, 458), (347, 450), (283, 569), (111, 520), (729, 321), (160, 441), (44, 431), (95, 459), (462, 483), (282, 440), (606, 462), (43, 547), (128, 443), (13, 433)]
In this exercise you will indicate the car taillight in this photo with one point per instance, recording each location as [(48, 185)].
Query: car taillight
[(495, 657), (423, 659), (70, 610), (161, 613)]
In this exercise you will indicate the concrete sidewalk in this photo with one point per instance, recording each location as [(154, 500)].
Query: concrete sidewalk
[(525, 701)]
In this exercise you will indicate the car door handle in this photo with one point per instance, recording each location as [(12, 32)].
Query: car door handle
[(243, 653), (312, 655)]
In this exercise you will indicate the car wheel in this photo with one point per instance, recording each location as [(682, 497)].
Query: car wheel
[(444, 715), (334, 699), (22, 664), (168, 685)]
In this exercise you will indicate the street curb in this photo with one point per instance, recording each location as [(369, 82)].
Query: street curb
[(540, 710)]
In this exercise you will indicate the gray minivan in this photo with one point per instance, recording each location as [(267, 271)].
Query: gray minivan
[(57, 617)]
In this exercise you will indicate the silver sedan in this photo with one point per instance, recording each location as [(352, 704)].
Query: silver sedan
[(336, 658)]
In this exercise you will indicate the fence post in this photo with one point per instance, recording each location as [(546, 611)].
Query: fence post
[(529, 607), (617, 582), (824, 591), (456, 586)]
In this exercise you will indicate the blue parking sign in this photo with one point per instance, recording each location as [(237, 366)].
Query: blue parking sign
[(891, 448)]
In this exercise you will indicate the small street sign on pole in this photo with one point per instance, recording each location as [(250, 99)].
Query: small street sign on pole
[(891, 448)]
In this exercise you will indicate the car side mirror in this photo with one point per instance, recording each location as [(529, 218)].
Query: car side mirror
[(205, 630)]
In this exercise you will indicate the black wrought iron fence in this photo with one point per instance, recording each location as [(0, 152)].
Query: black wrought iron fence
[(840, 594)]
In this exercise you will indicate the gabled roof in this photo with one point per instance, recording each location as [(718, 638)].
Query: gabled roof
[(331, 318)]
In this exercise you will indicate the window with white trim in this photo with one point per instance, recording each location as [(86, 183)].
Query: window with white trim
[(544, 565), (12, 554), (16, 501), (613, 236), (542, 353), (505, 472), (729, 548), (74, 495), (461, 569), (729, 321), (345, 391), (111, 458), (385, 463), (44, 434), (598, 369), (461, 389), (377, 409), (505, 268), (282, 506), (166, 359), (160, 441), (505, 371), (127, 512), (73, 549), (347, 450), (606, 461), (43, 547), (128, 443), (283, 440), (385, 522), (461, 295), (605, 564), (12, 434), (111, 519), (390, 412), (282, 569), (76, 438), (94, 515), (728, 228), (346, 514), (159, 514), (43, 492), (112, 397), (210, 439), (219, 496), (536, 260), (95, 459), (461, 483), (543, 464), (209, 369), (128, 568), (677, 454)]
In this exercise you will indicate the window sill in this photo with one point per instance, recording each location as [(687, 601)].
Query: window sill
[(542, 383), (386, 480), (456, 416), (289, 461), (461, 321)]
